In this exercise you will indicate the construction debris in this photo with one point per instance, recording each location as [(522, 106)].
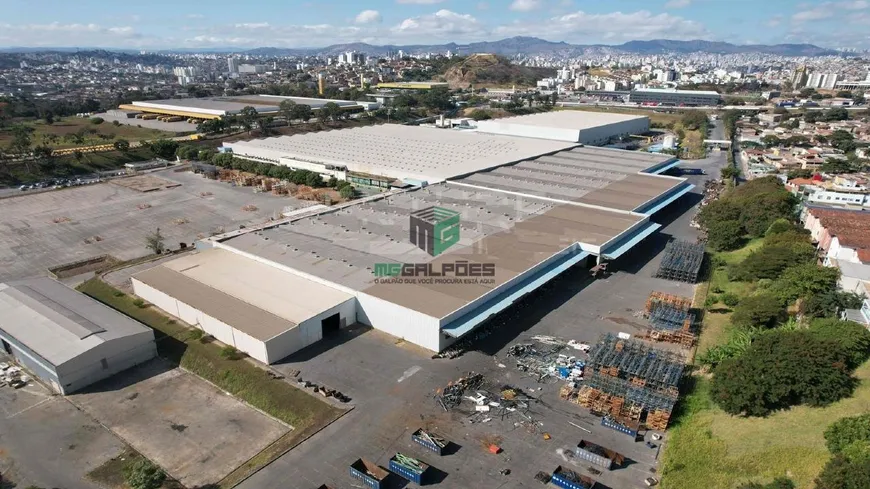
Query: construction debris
[(681, 261), (249, 208), (549, 358)]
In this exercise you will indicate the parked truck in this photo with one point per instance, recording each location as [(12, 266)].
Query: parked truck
[(370, 474), (598, 455)]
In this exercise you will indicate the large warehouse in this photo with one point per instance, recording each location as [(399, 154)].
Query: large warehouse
[(505, 228), (66, 338), (216, 107), (573, 126)]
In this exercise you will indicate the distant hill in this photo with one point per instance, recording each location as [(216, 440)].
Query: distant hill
[(490, 69), (508, 47)]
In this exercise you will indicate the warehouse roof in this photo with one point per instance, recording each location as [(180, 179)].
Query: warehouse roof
[(403, 151), (234, 105), (563, 119), (514, 232), (676, 91), (58, 323), (255, 298), (595, 176)]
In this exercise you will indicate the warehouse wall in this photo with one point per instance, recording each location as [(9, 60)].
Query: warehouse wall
[(308, 332), (220, 330), (37, 365), (528, 131), (600, 134), (399, 321), (119, 354)]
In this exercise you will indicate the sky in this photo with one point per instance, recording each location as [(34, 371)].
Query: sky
[(168, 24)]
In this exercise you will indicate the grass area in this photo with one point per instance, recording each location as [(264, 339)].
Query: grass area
[(714, 450), (663, 118), (61, 133), (110, 475), (711, 449), (181, 345), (18, 173)]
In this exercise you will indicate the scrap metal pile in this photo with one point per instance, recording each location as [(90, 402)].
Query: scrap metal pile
[(488, 402), (671, 319), (628, 380), (681, 261), (548, 358)]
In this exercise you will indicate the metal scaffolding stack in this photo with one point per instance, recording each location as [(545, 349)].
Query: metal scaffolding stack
[(671, 319), (681, 261), (628, 379)]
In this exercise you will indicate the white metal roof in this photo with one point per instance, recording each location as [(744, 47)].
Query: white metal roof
[(268, 289), (562, 119), (59, 323), (403, 151)]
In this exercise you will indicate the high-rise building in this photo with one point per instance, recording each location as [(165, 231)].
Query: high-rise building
[(233, 64)]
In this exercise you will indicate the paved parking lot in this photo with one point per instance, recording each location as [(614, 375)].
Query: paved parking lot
[(44, 230), (393, 384), (45, 441), (197, 433)]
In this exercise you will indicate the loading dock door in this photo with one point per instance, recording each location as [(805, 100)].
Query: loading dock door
[(330, 325)]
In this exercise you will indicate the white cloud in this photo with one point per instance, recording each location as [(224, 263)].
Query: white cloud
[(57, 34), (854, 5), (252, 25), (678, 3), (419, 2), (774, 21), (368, 17), (820, 12), (613, 27), (443, 24), (525, 5)]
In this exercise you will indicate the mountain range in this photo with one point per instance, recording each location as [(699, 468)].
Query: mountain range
[(507, 47)]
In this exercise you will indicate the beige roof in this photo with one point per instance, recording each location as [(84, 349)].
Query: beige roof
[(514, 251), (631, 192), (253, 297)]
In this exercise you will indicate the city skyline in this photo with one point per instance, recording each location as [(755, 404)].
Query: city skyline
[(185, 25)]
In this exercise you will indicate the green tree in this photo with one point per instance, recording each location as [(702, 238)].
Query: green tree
[(760, 310), (331, 110), (480, 115), (142, 474), (223, 160), (287, 109), (847, 431), (347, 192), (836, 166), (853, 339), (724, 235), (771, 140), (781, 369), (247, 117), (97, 120), (771, 260), (730, 172), (302, 112), (121, 145), (804, 281), (206, 154), (312, 179), (163, 148), (792, 174), (844, 473), (694, 120), (187, 152), (154, 242)]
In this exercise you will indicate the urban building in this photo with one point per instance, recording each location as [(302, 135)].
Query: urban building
[(674, 97), (233, 65), (67, 339), (252, 69)]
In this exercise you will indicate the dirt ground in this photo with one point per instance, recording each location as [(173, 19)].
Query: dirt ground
[(159, 412)]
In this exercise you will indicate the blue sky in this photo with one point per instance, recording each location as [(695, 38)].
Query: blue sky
[(310, 23)]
